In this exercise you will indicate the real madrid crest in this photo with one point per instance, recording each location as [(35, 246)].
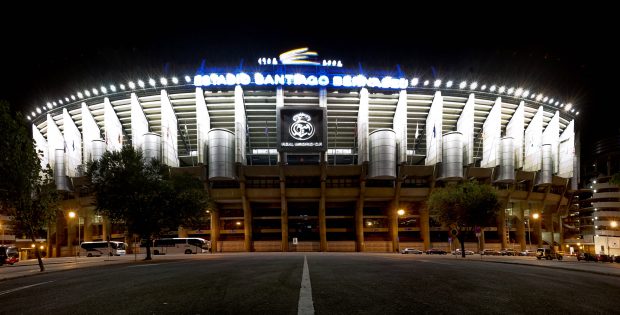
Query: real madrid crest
[(301, 129)]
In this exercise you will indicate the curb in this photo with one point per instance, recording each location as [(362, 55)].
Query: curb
[(555, 267)]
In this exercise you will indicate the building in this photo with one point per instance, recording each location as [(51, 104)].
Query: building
[(302, 155), (592, 221)]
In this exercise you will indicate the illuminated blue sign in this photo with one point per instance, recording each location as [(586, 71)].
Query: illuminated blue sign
[(298, 79)]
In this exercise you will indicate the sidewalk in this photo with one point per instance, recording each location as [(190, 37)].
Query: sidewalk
[(567, 263), (31, 266)]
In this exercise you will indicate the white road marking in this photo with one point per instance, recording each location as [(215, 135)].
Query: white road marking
[(305, 306), (24, 287)]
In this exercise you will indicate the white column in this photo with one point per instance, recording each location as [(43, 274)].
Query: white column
[(551, 136), (113, 127), (169, 132), (203, 125), (491, 133), (400, 126), (240, 126), (139, 123), (362, 128), (465, 125), (434, 130), (516, 129)]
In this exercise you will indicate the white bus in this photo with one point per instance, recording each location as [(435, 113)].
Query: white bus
[(180, 245), (111, 248)]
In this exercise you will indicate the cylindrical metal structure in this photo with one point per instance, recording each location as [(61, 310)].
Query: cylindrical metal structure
[(452, 155), (60, 173), (98, 149), (152, 146), (546, 172), (506, 160), (382, 164), (221, 154)]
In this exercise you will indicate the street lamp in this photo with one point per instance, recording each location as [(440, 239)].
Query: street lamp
[(400, 213), (529, 228)]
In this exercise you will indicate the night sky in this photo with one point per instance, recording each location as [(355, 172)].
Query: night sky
[(561, 54)]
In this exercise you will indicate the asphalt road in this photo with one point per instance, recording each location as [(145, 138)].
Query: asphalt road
[(347, 283)]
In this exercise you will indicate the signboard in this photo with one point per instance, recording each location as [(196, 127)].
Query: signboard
[(302, 129)]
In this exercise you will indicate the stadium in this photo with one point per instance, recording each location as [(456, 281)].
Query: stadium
[(302, 154)]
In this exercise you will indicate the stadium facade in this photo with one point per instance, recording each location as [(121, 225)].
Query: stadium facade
[(302, 155)]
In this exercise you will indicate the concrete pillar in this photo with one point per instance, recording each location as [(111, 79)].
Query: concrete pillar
[(284, 210), (520, 227), (322, 219), (247, 223), (393, 225), (105, 228), (87, 227), (501, 226), (425, 231), (215, 229), (60, 231), (182, 232), (359, 219)]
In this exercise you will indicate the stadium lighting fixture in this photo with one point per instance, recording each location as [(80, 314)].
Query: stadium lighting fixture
[(473, 86), (72, 97), (545, 99), (38, 110), (539, 97), (501, 90), (67, 99), (175, 80), (152, 82), (95, 92), (551, 101), (462, 85), (483, 87), (426, 83), (188, 79), (33, 114), (449, 83), (437, 83), (122, 86), (492, 88), (163, 81), (141, 83), (415, 81), (87, 93), (60, 102), (518, 92), (131, 85), (510, 91), (103, 90), (526, 93), (28, 117), (79, 94), (112, 88)]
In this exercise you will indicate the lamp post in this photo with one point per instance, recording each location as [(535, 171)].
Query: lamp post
[(400, 213), (529, 228)]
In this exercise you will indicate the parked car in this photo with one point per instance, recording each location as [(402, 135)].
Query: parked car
[(8, 255), (458, 252), (548, 254), (490, 252), (411, 251), (586, 257), (527, 252), (436, 251), (508, 252)]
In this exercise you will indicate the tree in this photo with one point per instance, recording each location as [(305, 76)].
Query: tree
[(143, 196), (464, 206), (26, 190)]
